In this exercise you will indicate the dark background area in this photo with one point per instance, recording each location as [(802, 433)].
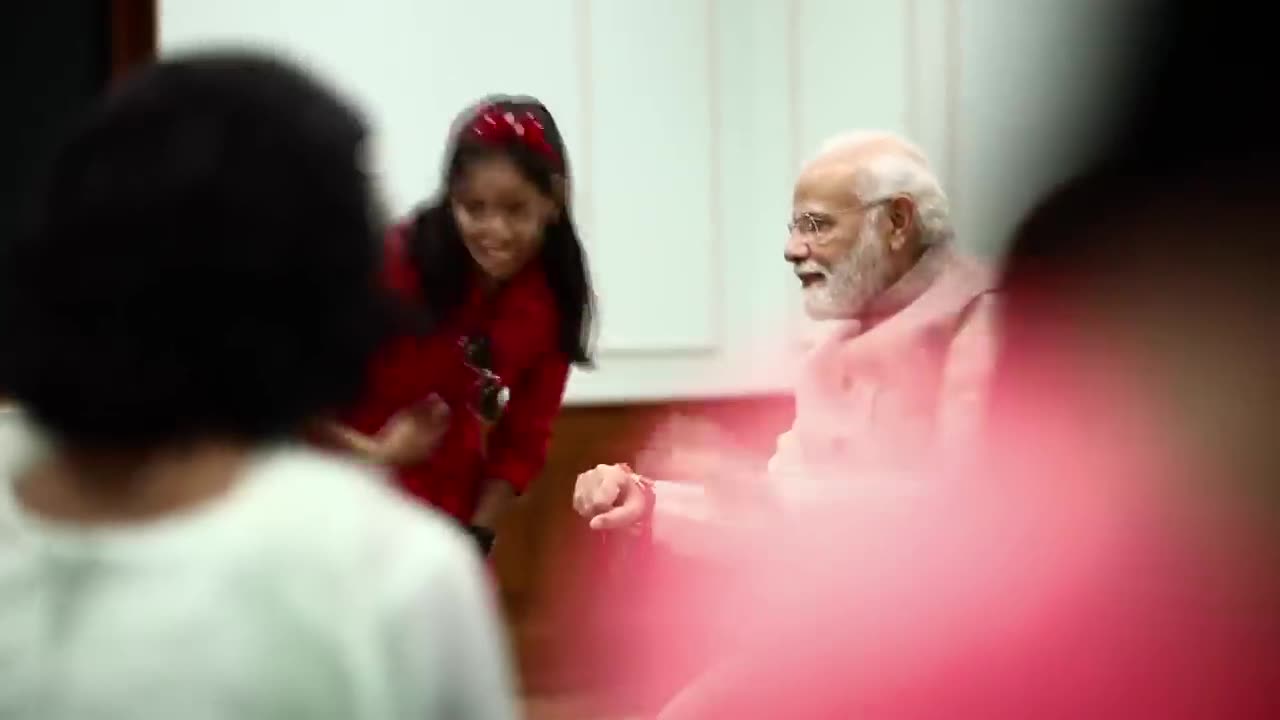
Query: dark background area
[(56, 60), (58, 55)]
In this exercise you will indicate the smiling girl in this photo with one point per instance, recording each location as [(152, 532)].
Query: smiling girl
[(494, 265)]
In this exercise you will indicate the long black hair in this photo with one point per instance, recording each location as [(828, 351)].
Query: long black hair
[(442, 261)]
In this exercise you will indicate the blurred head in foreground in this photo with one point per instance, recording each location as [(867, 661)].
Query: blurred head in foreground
[(203, 263), (201, 283)]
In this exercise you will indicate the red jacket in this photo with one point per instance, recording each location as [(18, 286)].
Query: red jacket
[(520, 321)]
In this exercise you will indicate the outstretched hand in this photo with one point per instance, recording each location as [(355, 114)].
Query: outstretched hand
[(413, 433)]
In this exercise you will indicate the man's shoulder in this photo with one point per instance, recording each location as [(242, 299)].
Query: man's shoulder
[(979, 281), (975, 272), (964, 279), (967, 299)]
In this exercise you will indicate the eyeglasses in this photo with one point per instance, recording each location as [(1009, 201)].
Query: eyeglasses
[(491, 396), (815, 227)]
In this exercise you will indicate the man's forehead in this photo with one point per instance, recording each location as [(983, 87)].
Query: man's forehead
[(827, 181)]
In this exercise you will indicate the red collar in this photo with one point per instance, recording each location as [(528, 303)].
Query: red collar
[(530, 283), (520, 313)]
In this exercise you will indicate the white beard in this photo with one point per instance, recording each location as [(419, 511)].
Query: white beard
[(849, 285)]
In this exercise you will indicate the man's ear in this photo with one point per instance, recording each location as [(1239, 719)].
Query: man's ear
[(902, 220), (902, 213)]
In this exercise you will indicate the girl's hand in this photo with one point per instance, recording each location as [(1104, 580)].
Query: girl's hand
[(413, 433)]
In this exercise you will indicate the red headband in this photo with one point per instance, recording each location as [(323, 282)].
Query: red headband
[(492, 126)]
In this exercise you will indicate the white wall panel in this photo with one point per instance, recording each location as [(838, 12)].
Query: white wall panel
[(687, 121), (655, 175), (411, 65)]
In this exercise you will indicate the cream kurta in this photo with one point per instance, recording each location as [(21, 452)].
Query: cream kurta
[(875, 397)]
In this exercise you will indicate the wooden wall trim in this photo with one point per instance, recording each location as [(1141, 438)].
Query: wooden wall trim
[(133, 39)]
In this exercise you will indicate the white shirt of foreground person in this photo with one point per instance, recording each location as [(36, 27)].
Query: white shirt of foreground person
[(309, 591), (900, 377)]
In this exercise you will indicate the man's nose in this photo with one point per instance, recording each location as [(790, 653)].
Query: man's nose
[(796, 249)]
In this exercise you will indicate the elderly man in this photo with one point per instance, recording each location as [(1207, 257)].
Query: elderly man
[(900, 375)]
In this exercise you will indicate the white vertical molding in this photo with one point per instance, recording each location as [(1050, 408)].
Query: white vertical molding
[(715, 193), (911, 48), (794, 71), (584, 168), (954, 126), (798, 330)]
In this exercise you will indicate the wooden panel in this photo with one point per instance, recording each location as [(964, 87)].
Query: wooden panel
[(544, 554), (133, 35)]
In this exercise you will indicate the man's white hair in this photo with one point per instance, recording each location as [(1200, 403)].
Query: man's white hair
[(897, 167)]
